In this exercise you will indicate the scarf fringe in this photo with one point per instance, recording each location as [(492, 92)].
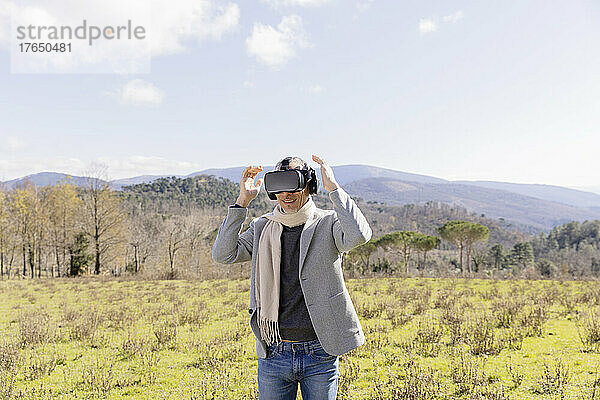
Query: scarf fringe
[(269, 331)]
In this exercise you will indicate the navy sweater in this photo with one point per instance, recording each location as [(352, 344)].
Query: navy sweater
[(294, 321)]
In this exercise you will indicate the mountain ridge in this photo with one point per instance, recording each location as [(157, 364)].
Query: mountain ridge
[(539, 205), (497, 203)]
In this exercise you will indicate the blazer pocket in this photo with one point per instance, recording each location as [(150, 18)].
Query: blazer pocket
[(343, 314)]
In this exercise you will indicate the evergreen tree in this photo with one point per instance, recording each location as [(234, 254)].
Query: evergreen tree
[(80, 259), (522, 254)]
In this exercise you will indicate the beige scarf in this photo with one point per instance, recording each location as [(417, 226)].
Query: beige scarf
[(268, 261)]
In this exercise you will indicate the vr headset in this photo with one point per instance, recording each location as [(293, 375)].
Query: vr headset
[(290, 180)]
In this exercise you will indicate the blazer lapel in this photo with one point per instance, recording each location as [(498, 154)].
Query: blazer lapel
[(306, 237)]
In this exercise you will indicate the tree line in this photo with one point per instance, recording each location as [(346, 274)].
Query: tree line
[(462, 234), (167, 227), (572, 250), (66, 230)]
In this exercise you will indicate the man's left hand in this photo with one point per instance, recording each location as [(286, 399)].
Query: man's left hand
[(329, 182)]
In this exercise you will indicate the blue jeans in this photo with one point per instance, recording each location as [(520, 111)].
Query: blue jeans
[(306, 363)]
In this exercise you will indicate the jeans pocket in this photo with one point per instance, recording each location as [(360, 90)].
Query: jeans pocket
[(272, 351), (319, 354)]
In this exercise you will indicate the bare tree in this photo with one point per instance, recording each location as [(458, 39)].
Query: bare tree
[(103, 218), (24, 207), (199, 223), (8, 235), (63, 207), (4, 233), (144, 231), (175, 237)]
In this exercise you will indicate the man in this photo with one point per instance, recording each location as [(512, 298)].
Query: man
[(301, 312)]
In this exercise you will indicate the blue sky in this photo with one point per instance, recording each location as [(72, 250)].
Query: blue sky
[(494, 90)]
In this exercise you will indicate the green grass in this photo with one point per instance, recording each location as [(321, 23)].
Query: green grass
[(426, 339)]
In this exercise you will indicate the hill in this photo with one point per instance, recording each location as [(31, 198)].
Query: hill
[(494, 203), (118, 184), (343, 173), (572, 197), (538, 206), (46, 179), (209, 192), (203, 191)]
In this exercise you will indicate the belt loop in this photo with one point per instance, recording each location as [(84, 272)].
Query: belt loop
[(297, 346)]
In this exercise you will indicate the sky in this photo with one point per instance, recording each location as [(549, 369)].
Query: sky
[(478, 90)]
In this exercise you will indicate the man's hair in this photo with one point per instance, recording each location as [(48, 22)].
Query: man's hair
[(285, 163), (312, 184)]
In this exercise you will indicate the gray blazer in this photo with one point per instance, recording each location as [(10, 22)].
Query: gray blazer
[(323, 240)]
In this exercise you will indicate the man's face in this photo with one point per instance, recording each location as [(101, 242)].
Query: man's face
[(291, 202)]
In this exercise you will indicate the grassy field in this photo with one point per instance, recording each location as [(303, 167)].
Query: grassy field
[(426, 339)]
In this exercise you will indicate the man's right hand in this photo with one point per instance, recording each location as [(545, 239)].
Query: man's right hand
[(248, 188)]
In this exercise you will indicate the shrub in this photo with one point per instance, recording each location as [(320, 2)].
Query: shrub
[(85, 325), (515, 373), (194, 314), (420, 300), (396, 313), (444, 300), (428, 335), (149, 365), (466, 372), (400, 319), (506, 310), (35, 328), (489, 393), (533, 320), (371, 310), (568, 301), (482, 337), (455, 321), (418, 383), (350, 371), (99, 376), (588, 329), (69, 313), (513, 337), (9, 356), (42, 365), (554, 378), (377, 337), (120, 317), (165, 333)]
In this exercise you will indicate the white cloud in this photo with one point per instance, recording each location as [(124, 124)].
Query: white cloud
[(12, 143), (140, 93), (314, 89), (298, 3), (427, 25), (172, 26), (147, 165), (274, 47), (453, 18), (364, 5), (177, 21), (5, 12)]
